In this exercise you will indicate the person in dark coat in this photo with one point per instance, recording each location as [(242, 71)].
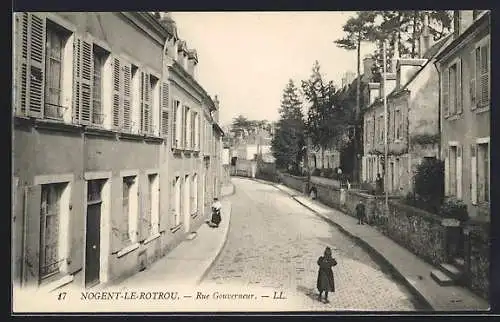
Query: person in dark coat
[(325, 281), (361, 213), (379, 182), (216, 216)]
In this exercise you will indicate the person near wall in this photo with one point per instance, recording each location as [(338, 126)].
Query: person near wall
[(380, 184), (216, 213), (325, 282), (361, 213)]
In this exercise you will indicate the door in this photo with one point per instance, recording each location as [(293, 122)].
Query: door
[(186, 206), (92, 251)]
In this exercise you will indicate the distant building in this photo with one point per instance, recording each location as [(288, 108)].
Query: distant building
[(465, 69)]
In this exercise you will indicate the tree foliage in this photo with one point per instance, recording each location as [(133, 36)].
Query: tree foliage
[(288, 141), (326, 120)]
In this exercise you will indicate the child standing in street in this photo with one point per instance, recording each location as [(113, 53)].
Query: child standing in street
[(325, 282)]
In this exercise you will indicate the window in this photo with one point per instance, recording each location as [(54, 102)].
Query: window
[(164, 109), (50, 213), (53, 72), (130, 212), (194, 121), (480, 81), (100, 57), (452, 89), (177, 129), (145, 107), (398, 122), (153, 204), (452, 171), (194, 195), (186, 142), (177, 202), (483, 169)]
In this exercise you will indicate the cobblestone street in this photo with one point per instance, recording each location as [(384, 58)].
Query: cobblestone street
[(274, 243)]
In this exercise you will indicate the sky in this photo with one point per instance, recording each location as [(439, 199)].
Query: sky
[(247, 58)]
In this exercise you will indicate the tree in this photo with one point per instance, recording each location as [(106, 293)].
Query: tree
[(405, 28), (288, 141), (326, 120), (358, 29)]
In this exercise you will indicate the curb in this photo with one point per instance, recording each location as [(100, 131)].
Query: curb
[(413, 290), (219, 251)]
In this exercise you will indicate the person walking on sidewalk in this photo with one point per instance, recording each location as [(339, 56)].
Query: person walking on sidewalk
[(216, 216), (325, 282), (379, 182), (361, 213)]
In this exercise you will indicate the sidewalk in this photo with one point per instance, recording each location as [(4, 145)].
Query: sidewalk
[(412, 270), (187, 263)]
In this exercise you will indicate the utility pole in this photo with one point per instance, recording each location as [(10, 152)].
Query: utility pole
[(385, 130), (358, 111)]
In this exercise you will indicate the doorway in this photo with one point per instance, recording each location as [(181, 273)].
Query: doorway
[(93, 232)]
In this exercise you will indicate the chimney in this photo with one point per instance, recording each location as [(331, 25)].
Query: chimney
[(216, 112), (395, 57), (462, 19), (407, 67), (192, 62), (182, 58), (425, 37), (368, 62), (373, 92)]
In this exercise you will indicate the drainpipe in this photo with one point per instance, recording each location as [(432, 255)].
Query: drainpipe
[(439, 109)]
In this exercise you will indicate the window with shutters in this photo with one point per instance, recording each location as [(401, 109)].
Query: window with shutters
[(186, 141), (100, 57), (56, 39), (50, 215), (381, 129), (453, 93), (483, 172), (480, 85)]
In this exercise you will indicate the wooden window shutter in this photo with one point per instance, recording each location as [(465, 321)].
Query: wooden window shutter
[(164, 109), (472, 82), (33, 203), (174, 123), (473, 174), (127, 97), (32, 64), (117, 110), (459, 87), (77, 76), (485, 75), (87, 74), (459, 172), (445, 91)]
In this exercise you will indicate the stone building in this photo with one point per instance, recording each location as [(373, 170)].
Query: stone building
[(412, 117), (110, 162), (465, 68)]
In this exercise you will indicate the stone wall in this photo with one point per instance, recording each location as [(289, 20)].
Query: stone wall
[(418, 231), (294, 182), (478, 259)]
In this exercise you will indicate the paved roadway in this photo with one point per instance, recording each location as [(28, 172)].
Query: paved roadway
[(274, 242)]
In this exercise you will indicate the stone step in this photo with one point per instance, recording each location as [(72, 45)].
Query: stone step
[(459, 263), (441, 278), (451, 270)]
